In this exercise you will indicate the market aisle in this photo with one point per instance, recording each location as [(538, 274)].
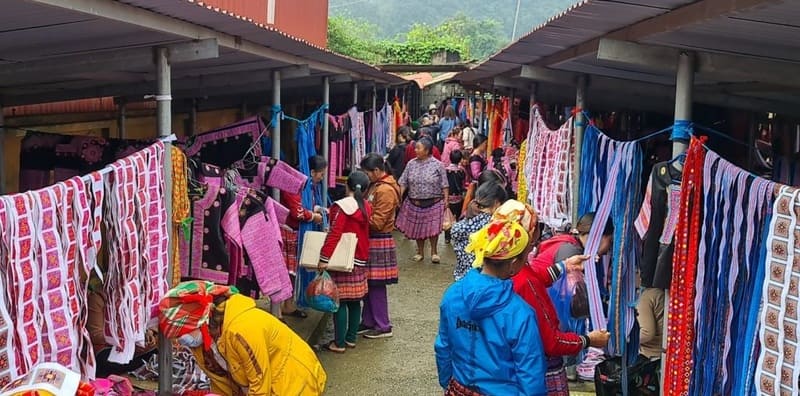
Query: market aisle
[(403, 364)]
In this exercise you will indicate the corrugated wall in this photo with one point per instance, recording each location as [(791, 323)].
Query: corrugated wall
[(305, 19), (253, 9)]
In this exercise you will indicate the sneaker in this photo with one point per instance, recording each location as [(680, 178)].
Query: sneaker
[(363, 329), (374, 334)]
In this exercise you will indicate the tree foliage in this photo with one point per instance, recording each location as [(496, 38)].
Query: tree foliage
[(471, 39)]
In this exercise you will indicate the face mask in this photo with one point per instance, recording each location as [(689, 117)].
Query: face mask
[(190, 341)]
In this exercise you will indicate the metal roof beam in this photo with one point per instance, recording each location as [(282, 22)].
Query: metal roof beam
[(694, 13), (209, 85), (621, 87), (543, 74), (56, 69), (125, 13), (711, 64)]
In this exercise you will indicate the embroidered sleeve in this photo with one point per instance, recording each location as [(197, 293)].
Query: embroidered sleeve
[(555, 342)]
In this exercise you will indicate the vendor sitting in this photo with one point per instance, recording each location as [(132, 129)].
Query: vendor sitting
[(96, 302)]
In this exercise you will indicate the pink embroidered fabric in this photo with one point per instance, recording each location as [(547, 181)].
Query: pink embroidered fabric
[(136, 223), (549, 171)]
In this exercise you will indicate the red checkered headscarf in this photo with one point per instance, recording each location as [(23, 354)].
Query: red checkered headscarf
[(187, 307)]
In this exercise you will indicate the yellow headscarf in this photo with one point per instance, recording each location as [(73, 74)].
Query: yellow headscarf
[(500, 239), (523, 214)]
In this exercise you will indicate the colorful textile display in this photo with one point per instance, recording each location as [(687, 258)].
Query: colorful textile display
[(311, 194), (357, 136), (45, 379), (620, 198), (48, 158), (224, 146), (180, 209), (735, 206), (136, 222), (48, 241), (522, 182), (548, 170), (187, 375), (778, 364), (681, 317)]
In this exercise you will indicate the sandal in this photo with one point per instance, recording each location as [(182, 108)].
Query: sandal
[(297, 313), (435, 259), (350, 345), (417, 257), (335, 348)]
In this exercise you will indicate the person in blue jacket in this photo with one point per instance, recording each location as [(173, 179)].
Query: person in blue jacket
[(488, 341)]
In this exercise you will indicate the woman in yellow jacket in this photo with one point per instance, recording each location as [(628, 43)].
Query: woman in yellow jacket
[(243, 350)]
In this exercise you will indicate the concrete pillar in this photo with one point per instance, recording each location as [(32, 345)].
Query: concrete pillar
[(164, 121), (580, 127), (122, 105), (276, 129), (684, 81), (193, 118), (326, 99), (683, 97)]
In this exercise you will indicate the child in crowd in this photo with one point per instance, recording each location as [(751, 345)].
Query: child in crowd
[(457, 180), (350, 214), (452, 143)]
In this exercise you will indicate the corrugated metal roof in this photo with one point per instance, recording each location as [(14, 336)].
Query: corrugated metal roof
[(228, 22), (34, 31), (582, 22)]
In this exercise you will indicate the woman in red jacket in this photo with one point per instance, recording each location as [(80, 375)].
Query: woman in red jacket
[(531, 284), (349, 214)]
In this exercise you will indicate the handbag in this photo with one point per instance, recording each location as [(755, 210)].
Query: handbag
[(449, 220), (343, 258)]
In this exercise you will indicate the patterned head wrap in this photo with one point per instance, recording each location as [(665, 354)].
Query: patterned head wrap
[(500, 239), (513, 210), (187, 307)]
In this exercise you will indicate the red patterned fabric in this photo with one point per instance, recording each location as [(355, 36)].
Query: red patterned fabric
[(680, 331), (136, 224)]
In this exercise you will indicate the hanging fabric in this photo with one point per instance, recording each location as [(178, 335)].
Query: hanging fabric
[(735, 206), (357, 136), (680, 328), (548, 170), (228, 144), (778, 364), (311, 196), (136, 223)]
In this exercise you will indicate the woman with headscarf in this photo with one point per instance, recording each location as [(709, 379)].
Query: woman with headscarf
[(488, 341), (299, 214), (556, 257), (422, 213), (488, 198), (384, 196), (243, 350)]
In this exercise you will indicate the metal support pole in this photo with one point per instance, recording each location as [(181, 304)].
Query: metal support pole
[(122, 105), (580, 126), (355, 94), (375, 115), (2, 152), (386, 95), (193, 118), (326, 98), (164, 117), (684, 83), (683, 96), (276, 129)]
